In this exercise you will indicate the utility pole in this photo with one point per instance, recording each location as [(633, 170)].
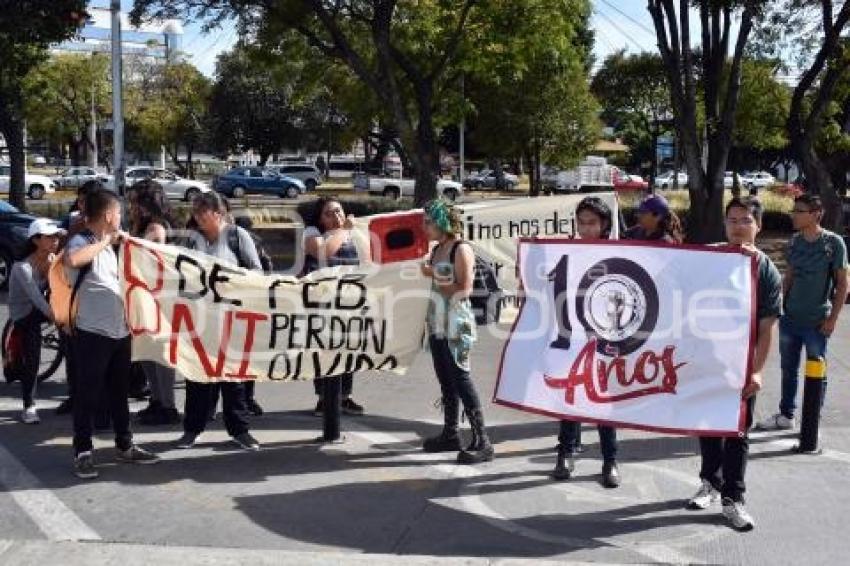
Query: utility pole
[(117, 99)]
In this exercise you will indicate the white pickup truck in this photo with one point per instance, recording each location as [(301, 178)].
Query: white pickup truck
[(395, 188)]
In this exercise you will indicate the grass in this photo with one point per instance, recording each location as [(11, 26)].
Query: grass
[(680, 201)]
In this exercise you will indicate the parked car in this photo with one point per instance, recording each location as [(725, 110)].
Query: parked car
[(665, 180), (37, 185), (308, 174), (625, 182), (241, 181), (13, 238), (757, 180), (393, 188), (174, 186), (487, 178), (76, 177)]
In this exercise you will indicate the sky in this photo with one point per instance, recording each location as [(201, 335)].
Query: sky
[(619, 24)]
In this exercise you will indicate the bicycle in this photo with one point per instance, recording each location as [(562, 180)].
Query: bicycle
[(52, 354)]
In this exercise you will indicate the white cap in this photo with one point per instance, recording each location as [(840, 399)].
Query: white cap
[(44, 227)]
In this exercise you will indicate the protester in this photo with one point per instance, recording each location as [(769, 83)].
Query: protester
[(150, 218), (452, 333), (28, 307), (815, 288), (328, 243), (724, 460), (655, 221), (212, 237), (593, 222), (100, 336)]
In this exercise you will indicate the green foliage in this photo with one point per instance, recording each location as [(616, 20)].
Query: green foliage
[(762, 109)]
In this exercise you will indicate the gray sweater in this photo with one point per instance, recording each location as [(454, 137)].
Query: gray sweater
[(26, 291)]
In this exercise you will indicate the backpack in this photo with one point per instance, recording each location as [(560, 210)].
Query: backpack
[(233, 244), (487, 296), (63, 294)]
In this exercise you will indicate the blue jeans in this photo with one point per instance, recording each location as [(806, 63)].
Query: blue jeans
[(792, 338)]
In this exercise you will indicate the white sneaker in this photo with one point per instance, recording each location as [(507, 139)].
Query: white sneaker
[(30, 415), (776, 422), (704, 497), (737, 515)]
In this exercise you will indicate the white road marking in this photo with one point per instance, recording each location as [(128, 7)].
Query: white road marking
[(53, 517)]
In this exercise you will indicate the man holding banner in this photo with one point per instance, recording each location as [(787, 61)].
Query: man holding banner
[(724, 460)]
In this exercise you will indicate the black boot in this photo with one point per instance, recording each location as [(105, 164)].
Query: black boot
[(480, 449), (610, 474), (448, 440), (564, 465)]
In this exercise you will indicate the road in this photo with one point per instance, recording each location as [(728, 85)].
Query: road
[(376, 498)]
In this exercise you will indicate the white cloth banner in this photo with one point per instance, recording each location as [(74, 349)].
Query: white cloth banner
[(632, 334), (216, 322)]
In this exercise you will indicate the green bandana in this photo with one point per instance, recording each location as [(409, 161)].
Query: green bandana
[(438, 212)]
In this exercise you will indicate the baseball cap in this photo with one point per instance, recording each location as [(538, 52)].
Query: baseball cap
[(654, 204), (44, 227)]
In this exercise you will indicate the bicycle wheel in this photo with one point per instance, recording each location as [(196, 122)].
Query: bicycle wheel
[(51, 349)]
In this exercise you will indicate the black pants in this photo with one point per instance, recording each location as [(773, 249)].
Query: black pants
[(346, 384), (455, 382), (30, 329), (201, 397), (101, 368), (724, 460), (569, 438), (65, 346)]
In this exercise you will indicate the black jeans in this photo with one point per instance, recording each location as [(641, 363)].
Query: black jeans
[(346, 384), (201, 397), (569, 438), (105, 373), (30, 329), (455, 382), (724, 460)]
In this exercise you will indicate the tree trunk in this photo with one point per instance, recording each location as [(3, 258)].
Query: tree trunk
[(653, 159), (190, 167), (13, 132), (819, 182), (426, 156)]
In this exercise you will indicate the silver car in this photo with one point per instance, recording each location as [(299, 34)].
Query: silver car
[(76, 177), (306, 173), (174, 186)]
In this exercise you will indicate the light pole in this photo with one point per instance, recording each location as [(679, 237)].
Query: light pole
[(117, 99)]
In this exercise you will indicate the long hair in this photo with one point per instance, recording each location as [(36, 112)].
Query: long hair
[(598, 207), (672, 227), (314, 214), (152, 204)]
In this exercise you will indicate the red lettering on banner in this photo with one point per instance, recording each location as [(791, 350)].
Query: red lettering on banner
[(594, 375), (133, 283), (251, 319), (182, 316)]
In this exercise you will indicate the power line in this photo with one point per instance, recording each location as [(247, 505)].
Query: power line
[(619, 29), (638, 23)]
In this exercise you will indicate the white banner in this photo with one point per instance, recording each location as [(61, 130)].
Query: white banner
[(632, 334), (215, 322)]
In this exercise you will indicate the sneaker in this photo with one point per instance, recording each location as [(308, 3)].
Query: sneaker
[(136, 455), (777, 422), (65, 407), (84, 466), (187, 440), (246, 441), (30, 415), (737, 515), (351, 407), (319, 410), (705, 496), (254, 408), (610, 475)]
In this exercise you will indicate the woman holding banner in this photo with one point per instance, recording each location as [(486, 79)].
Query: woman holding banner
[(593, 222), (452, 332), (150, 218), (655, 221), (328, 243)]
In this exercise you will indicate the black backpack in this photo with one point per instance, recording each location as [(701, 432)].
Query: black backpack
[(487, 296), (233, 244)]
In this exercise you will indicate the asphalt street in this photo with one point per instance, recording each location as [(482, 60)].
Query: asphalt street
[(377, 498)]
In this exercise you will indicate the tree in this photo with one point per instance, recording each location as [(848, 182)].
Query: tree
[(821, 54), (168, 108), (634, 94), (26, 30), (706, 150), (527, 91), (59, 95)]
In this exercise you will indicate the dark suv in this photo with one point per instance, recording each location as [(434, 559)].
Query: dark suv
[(241, 181)]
